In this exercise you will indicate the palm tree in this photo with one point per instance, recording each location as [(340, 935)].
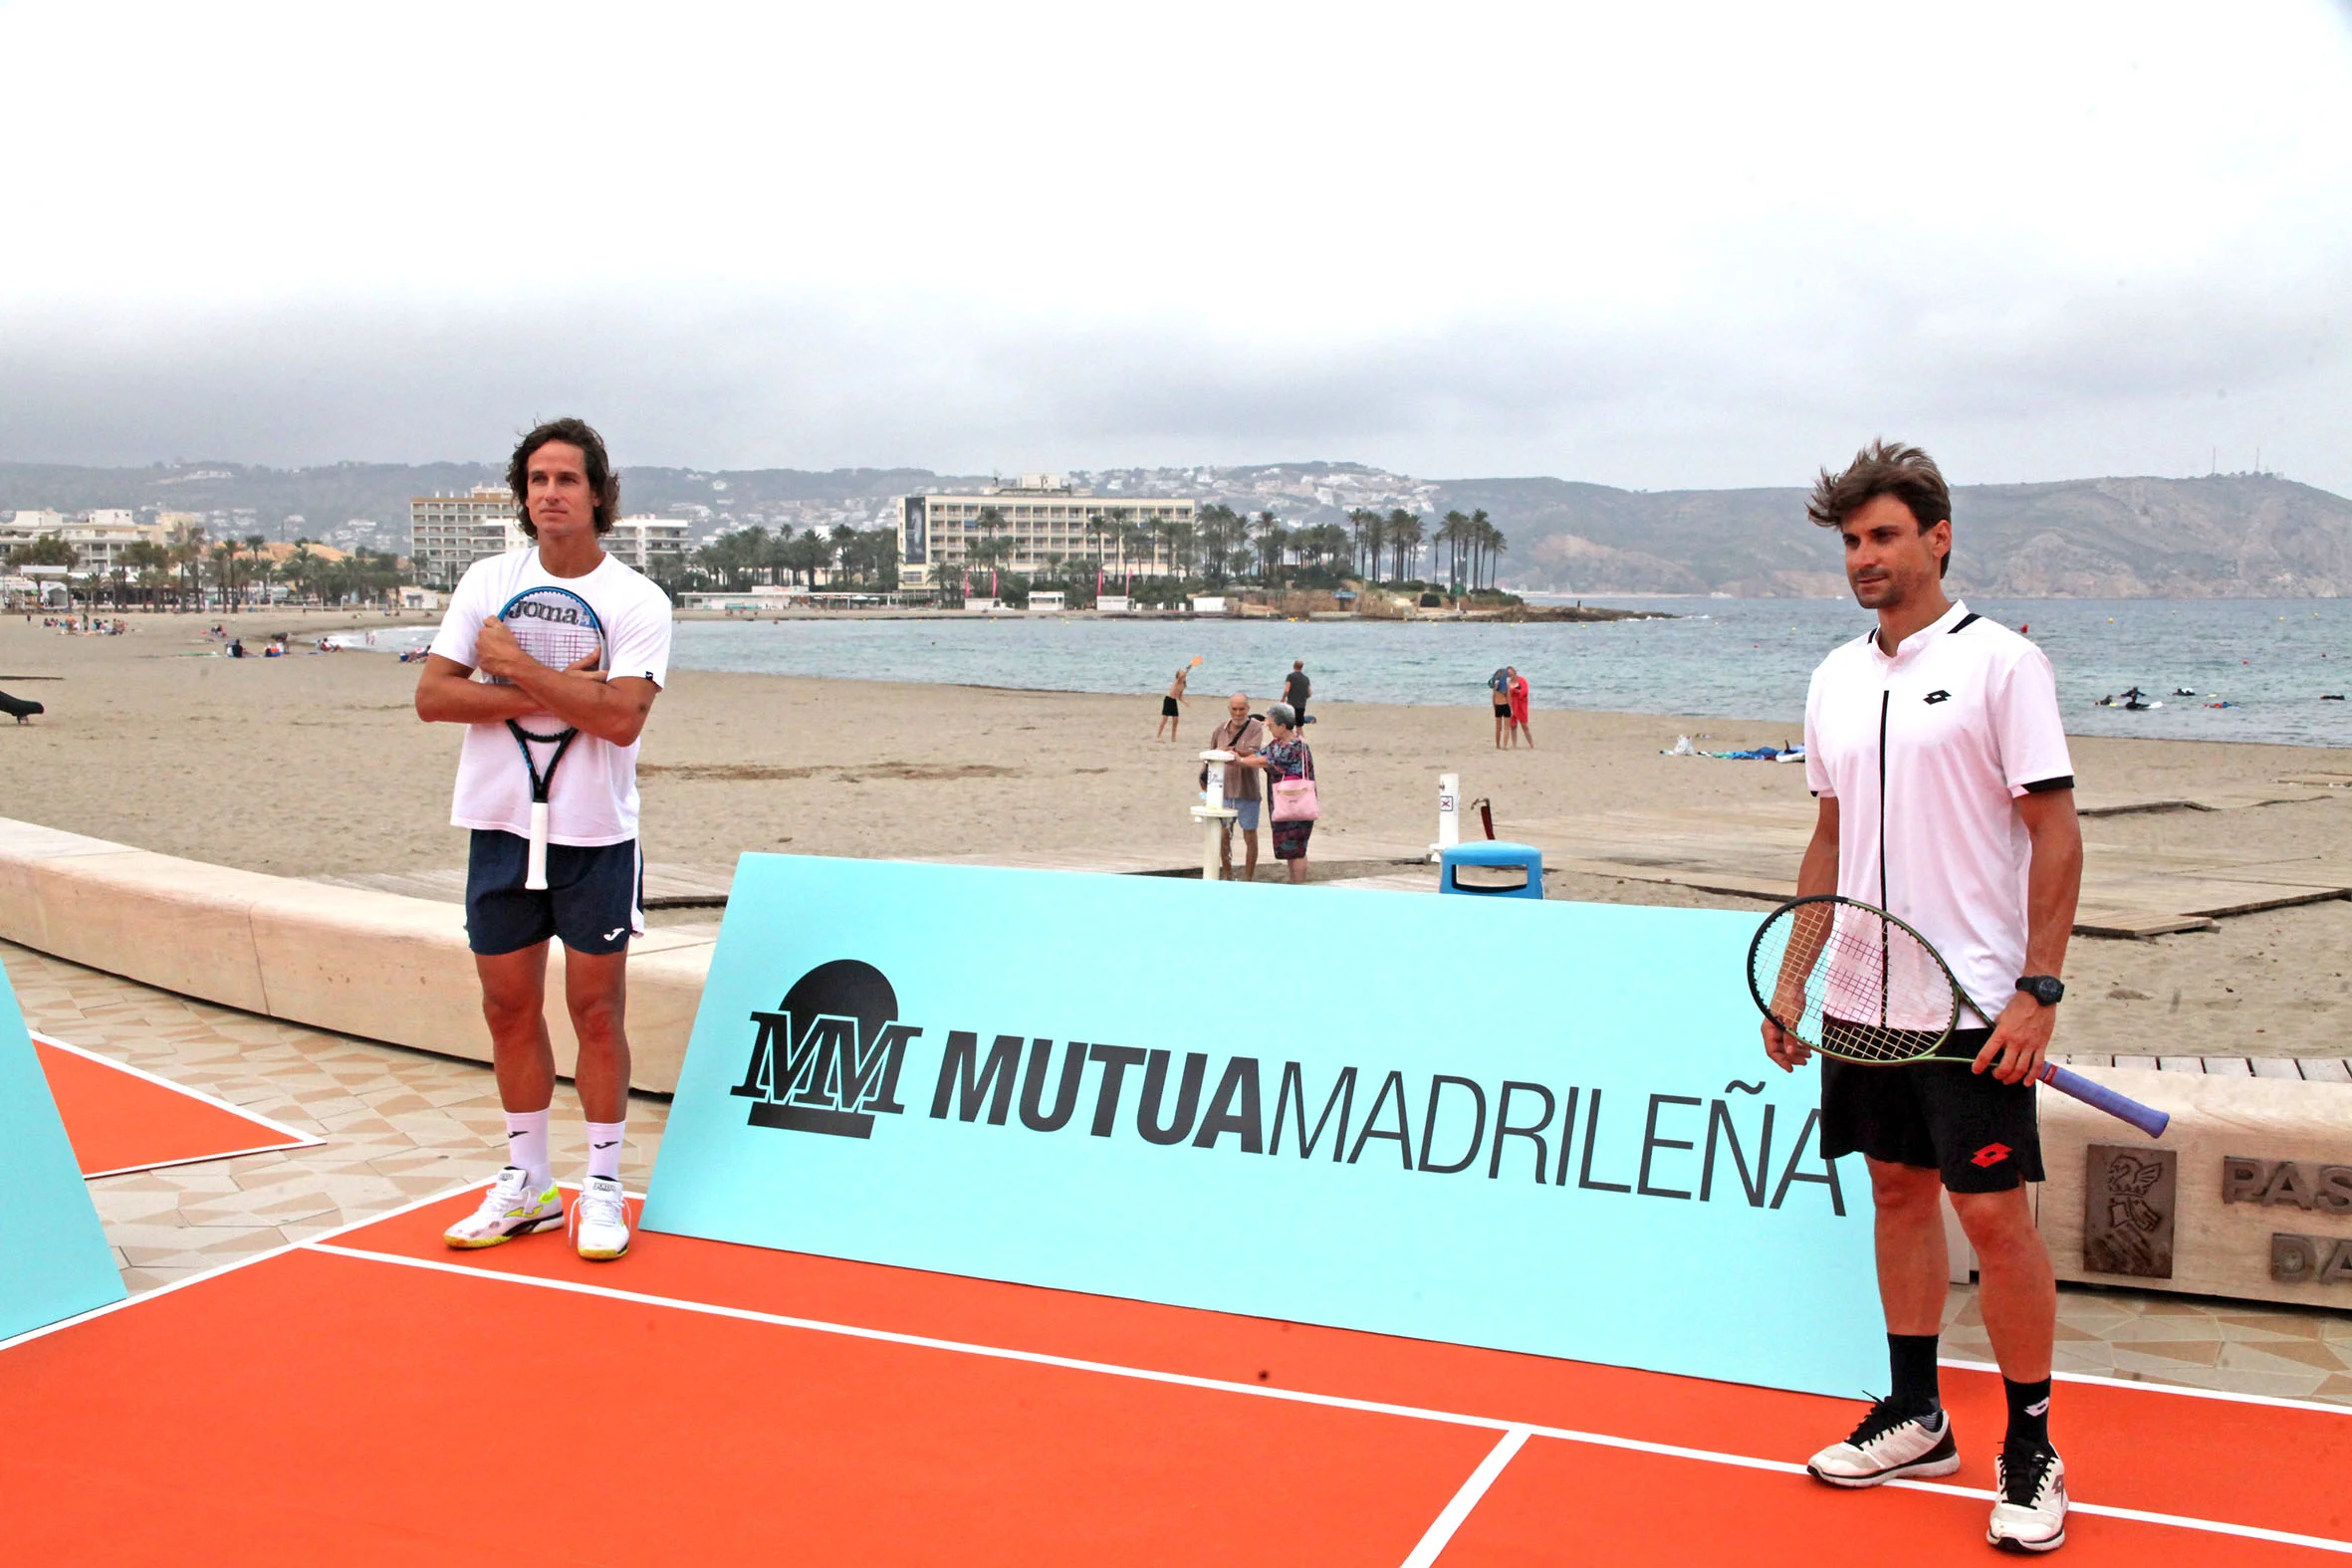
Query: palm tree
[(1404, 543), (1367, 538)]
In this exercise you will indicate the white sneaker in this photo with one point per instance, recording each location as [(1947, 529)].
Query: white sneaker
[(509, 1209), (1887, 1444), (601, 1218), (2028, 1508)]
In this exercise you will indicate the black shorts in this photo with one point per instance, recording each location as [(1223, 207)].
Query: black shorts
[(1982, 1135), (594, 899), (1501, 710), (1168, 708)]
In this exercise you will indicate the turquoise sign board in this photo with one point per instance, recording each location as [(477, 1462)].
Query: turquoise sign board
[(58, 1259), (1536, 1127)]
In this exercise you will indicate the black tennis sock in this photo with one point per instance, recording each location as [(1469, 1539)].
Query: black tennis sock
[(2029, 1414), (1913, 1358)]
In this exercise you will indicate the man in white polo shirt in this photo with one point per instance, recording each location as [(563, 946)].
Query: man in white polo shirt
[(1947, 798), (567, 496)]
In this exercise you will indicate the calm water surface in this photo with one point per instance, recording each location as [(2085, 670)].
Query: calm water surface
[(1745, 657)]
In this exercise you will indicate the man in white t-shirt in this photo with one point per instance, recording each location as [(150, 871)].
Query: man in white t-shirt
[(1947, 798), (567, 496)]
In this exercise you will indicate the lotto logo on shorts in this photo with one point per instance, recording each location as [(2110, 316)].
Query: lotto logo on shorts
[(1990, 1155), (826, 1060)]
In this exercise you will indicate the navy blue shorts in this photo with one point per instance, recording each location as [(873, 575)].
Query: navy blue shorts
[(594, 899)]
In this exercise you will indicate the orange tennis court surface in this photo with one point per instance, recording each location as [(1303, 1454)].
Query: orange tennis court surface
[(119, 1118), (372, 1397)]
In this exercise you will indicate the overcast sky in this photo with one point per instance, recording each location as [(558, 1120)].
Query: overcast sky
[(1650, 246)]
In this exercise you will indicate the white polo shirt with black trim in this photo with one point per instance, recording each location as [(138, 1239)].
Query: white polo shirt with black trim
[(1925, 751)]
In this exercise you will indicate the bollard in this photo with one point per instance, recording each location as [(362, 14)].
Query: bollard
[(1214, 814), (1449, 816)]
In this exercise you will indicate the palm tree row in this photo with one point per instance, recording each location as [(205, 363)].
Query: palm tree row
[(751, 556), (188, 564), (1474, 547)]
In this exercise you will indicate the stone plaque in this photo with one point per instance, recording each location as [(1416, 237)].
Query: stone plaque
[(2128, 1207)]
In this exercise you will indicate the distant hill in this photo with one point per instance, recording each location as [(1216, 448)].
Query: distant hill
[(2234, 536), (2238, 536)]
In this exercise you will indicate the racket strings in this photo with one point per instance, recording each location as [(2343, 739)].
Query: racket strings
[(1847, 981), (556, 630)]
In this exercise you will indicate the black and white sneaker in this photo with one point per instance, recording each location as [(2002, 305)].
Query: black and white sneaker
[(2029, 1508), (1887, 1444)]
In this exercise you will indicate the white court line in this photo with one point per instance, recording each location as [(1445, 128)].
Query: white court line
[(302, 1140), (246, 1261), (1441, 1529), (1040, 1358), (2187, 1391)]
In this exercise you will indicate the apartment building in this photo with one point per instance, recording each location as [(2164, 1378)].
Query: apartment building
[(448, 534), (99, 538), (654, 546), (1043, 516)]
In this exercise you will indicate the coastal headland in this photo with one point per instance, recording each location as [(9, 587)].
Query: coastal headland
[(315, 766)]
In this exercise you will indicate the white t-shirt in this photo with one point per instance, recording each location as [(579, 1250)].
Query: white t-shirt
[(594, 798), (1926, 751)]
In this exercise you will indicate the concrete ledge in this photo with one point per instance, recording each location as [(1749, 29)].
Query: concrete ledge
[(2211, 1230), (376, 965)]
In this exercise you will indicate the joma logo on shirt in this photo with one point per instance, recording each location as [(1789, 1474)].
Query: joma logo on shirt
[(540, 610)]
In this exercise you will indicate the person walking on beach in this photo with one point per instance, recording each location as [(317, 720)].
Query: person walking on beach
[(1297, 688), (1244, 736), (567, 497), (1170, 714), (1498, 687), (1519, 711), (1947, 798), (1285, 756)]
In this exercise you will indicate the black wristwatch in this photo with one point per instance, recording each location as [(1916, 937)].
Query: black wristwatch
[(2047, 990)]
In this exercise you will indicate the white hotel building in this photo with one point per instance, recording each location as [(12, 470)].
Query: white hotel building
[(448, 534), (99, 538), (1043, 516)]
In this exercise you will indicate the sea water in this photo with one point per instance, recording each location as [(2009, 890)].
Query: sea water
[(1748, 659)]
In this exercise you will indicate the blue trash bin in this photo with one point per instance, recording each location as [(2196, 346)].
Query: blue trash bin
[(1498, 853)]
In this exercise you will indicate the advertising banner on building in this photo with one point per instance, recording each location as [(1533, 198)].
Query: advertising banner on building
[(58, 1262), (1543, 1126)]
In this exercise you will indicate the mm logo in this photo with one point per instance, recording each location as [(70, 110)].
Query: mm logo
[(826, 1060)]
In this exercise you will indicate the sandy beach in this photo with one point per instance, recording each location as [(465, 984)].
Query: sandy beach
[(315, 766)]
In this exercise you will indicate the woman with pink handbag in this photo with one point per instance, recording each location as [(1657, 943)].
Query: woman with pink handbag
[(1290, 768)]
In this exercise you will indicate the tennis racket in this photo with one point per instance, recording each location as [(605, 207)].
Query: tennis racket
[(1853, 981), (556, 628)]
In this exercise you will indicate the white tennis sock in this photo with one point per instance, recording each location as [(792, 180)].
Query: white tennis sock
[(604, 1140), (526, 1145)]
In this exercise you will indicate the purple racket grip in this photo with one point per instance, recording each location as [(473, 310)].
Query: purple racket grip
[(2149, 1120)]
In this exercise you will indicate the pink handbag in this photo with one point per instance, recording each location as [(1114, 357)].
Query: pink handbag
[(1294, 799)]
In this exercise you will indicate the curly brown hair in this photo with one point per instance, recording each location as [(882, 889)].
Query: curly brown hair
[(1884, 467), (600, 478)]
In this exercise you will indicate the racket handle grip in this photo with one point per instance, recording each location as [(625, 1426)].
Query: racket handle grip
[(535, 874), (2147, 1118)]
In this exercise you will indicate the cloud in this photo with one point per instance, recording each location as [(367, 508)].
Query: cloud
[(1691, 247)]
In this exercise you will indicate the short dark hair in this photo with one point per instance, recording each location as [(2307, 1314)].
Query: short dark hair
[(600, 478), (1884, 467)]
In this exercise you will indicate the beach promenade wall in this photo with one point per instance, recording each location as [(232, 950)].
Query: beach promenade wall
[(375, 965), (2248, 1194)]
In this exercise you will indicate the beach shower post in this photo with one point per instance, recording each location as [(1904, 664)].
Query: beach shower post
[(1449, 816), (1213, 814)]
